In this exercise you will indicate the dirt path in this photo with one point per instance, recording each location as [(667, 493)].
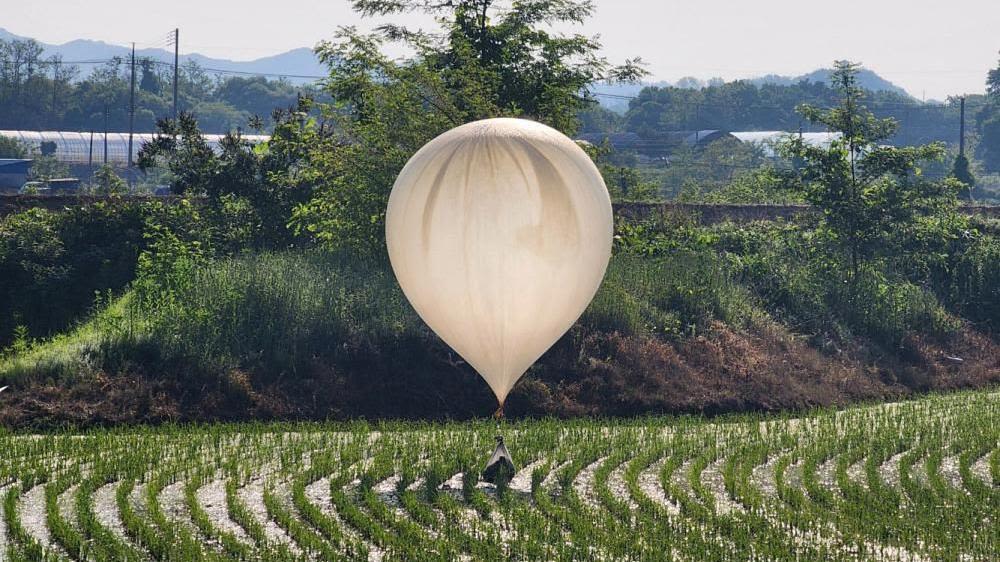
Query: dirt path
[(106, 510), (583, 484), (212, 498), (252, 495), (31, 508), (649, 483)]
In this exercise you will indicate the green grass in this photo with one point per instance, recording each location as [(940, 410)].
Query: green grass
[(277, 311), (268, 310), (601, 489), (669, 296), (78, 351)]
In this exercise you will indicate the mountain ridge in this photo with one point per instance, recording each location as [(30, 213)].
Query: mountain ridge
[(301, 66), (297, 65)]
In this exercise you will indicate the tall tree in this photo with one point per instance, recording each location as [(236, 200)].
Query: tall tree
[(743, 106), (993, 82), (241, 174), (873, 198), (12, 148), (989, 128), (149, 82), (32, 88), (487, 58), (989, 140)]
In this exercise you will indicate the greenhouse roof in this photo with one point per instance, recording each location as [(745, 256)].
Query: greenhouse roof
[(768, 140), (83, 148)]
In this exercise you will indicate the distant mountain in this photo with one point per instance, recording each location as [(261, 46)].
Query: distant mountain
[(867, 79), (298, 65)]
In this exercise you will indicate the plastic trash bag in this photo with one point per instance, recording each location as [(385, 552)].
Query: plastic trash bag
[(500, 467)]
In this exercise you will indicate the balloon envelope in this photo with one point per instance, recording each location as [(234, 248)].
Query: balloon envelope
[(499, 232)]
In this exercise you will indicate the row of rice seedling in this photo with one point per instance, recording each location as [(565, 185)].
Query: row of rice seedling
[(909, 481)]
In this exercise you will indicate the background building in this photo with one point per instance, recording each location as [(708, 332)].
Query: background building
[(13, 173)]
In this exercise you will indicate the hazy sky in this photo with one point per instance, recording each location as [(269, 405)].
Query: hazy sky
[(931, 48)]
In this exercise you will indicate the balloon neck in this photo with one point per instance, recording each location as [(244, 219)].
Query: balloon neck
[(498, 415)]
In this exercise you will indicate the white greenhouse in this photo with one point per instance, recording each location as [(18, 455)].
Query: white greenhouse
[(769, 140), (88, 148)]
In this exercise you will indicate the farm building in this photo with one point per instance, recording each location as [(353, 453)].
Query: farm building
[(660, 145), (88, 148), (13, 173)]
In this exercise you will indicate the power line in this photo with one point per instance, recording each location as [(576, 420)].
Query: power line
[(176, 44), (249, 73), (914, 106), (124, 60), (90, 61), (874, 105), (624, 97)]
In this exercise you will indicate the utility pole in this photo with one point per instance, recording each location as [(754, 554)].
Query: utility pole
[(961, 130), (55, 83), (90, 155), (177, 37), (131, 110), (105, 134)]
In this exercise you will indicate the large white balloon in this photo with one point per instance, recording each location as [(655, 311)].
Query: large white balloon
[(499, 233)]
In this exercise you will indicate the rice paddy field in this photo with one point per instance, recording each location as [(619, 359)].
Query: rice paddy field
[(909, 481)]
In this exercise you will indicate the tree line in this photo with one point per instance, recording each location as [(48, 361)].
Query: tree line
[(744, 106), (40, 92)]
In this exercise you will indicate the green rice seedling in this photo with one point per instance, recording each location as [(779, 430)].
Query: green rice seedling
[(906, 481)]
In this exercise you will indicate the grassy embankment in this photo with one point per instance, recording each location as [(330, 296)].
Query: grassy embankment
[(690, 319)]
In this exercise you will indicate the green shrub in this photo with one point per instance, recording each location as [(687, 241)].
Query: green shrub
[(804, 286), (279, 310), (615, 308), (974, 289), (51, 264), (668, 295), (887, 310)]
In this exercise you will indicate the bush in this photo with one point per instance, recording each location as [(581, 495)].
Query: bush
[(668, 296), (106, 181), (974, 290), (276, 311), (759, 186), (51, 264), (278, 314), (803, 285), (888, 310)]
